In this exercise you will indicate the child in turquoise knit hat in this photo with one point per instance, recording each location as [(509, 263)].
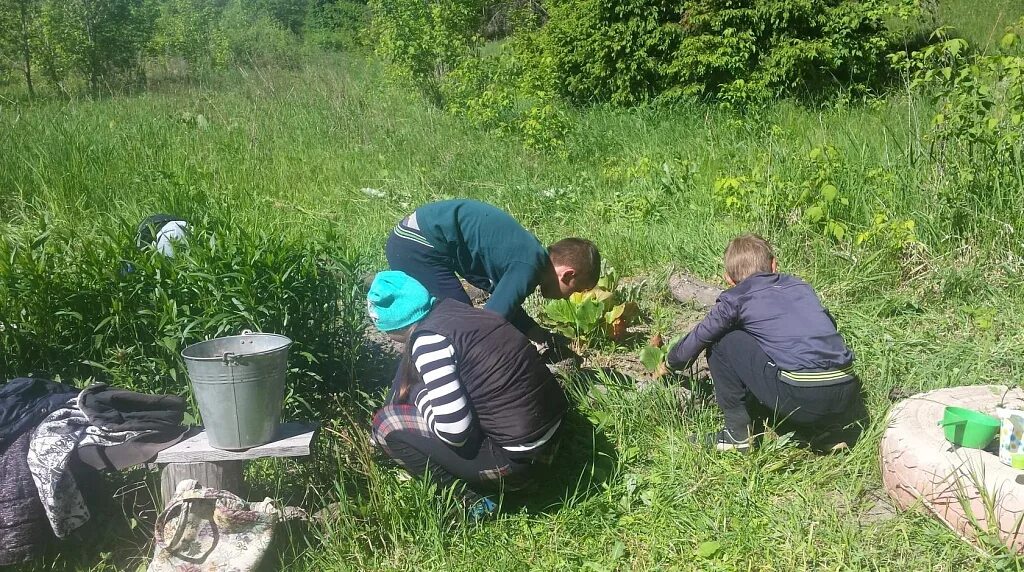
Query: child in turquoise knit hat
[(473, 404), (397, 300)]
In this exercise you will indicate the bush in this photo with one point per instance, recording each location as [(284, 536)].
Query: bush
[(977, 132), (338, 25), (187, 29), (497, 94), (423, 41), (629, 52), (253, 37), (214, 35), (98, 42), (68, 308)]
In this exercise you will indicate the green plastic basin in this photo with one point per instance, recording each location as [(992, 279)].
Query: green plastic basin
[(969, 428)]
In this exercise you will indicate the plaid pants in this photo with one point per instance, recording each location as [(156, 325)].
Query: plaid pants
[(404, 435)]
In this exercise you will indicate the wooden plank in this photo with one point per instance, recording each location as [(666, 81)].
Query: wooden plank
[(294, 439), (224, 475)]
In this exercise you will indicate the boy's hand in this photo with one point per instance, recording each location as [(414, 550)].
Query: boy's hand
[(661, 371), (539, 335)]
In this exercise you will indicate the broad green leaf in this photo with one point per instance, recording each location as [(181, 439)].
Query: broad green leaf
[(814, 213), (606, 298), (838, 230), (1008, 40), (560, 311), (709, 548), (588, 314), (651, 357), (829, 192), (615, 313)]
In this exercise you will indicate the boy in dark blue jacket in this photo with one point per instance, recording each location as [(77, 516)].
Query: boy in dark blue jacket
[(492, 251), (774, 354)]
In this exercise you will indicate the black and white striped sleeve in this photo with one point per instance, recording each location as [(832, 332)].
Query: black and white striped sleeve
[(442, 402)]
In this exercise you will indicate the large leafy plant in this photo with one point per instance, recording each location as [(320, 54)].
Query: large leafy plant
[(592, 317), (977, 131)]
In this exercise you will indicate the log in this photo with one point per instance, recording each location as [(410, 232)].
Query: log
[(690, 290)]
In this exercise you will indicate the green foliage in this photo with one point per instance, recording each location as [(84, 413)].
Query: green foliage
[(108, 44), (101, 42), (810, 197), (287, 14), (653, 357), (593, 317), (69, 307), (635, 51), (20, 37), (254, 37), (977, 131), (423, 41), (187, 29), (496, 94), (338, 25), (237, 32)]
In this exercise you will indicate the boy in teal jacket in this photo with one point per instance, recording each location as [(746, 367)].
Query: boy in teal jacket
[(492, 251)]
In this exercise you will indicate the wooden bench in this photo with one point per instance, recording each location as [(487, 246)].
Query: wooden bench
[(194, 458)]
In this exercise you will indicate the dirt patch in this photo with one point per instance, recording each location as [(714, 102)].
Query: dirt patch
[(876, 508), (477, 296), (382, 343)]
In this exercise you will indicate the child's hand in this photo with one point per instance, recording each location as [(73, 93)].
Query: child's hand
[(661, 371)]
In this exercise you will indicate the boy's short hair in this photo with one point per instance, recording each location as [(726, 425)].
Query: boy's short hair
[(579, 254), (747, 254)]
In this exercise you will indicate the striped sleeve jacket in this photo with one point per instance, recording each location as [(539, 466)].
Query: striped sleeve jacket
[(442, 401)]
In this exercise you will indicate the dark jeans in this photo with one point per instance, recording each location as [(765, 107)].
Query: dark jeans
[(426, 265), (481, 464), (485, 468), (748, 389), (434, 270)]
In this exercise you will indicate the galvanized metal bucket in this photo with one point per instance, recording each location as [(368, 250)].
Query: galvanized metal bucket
[(239, 385)]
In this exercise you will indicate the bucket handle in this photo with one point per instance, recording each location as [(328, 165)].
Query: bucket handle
[(231, 358)]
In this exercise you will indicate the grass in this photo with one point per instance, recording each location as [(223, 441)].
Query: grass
[(981, 22), (289, 153)]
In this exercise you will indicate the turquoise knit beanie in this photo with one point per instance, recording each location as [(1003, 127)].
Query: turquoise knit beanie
[(396, 300)]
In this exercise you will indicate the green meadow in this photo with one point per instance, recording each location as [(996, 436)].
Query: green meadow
[(297, 175)]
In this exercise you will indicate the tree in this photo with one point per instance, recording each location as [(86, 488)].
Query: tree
[(290, 14), (17, 35), (189, 29), (99, 40)]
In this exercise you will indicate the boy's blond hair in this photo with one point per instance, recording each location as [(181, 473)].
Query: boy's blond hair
[(747, 254)]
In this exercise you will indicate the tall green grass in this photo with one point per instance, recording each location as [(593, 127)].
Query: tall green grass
[(290, 170)]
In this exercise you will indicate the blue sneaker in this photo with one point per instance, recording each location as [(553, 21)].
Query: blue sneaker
[(481, 510)]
